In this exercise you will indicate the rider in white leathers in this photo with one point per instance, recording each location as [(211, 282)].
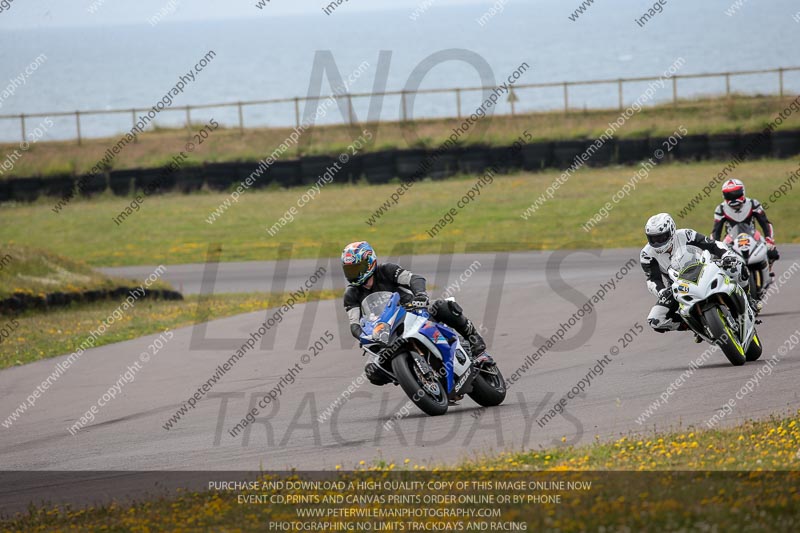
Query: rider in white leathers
[(666, 244)]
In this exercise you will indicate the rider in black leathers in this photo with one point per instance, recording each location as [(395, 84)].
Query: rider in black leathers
[(366, 276)]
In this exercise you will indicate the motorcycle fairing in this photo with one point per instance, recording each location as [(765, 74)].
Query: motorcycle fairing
[(445, 340)]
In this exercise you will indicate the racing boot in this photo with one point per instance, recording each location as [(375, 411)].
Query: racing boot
[(755, 305), (451, 314), (483, 360), (772, 256), (477, 345), (454, 401)]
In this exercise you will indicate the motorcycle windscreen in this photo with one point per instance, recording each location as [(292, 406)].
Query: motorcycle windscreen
[(692, 272), (373, 305), (690, 264), (740, 227)]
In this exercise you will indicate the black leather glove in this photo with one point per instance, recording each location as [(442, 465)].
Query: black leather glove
[(356, 330), (664, 296), (420, 301), (730, 263)]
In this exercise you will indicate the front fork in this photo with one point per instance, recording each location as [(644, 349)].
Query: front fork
[(742, 307)]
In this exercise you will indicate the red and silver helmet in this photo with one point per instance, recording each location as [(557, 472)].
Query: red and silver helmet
[(660, 231), (733, 192)]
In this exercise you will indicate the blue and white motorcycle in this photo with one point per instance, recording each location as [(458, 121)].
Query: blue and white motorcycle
[(427, 359)]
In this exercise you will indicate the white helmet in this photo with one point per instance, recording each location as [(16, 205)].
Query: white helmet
[(660, 231)]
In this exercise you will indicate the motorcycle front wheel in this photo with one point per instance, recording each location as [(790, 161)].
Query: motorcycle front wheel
[(715, 318), (427, 393)]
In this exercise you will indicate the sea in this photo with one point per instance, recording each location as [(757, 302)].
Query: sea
[(125, 66)]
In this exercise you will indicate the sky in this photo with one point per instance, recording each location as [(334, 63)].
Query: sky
[(76, 13)]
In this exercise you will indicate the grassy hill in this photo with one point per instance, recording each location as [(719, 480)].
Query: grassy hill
[(36, 271)]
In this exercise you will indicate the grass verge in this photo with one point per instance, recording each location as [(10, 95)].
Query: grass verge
[(172, 229), (156, 148), (705, 500), (47, 334), (33, 271)]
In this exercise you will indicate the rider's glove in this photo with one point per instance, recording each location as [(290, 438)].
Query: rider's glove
[(420, 301), (664, 295), (356, 331), (652, 288), (730, 263), (770, 243)]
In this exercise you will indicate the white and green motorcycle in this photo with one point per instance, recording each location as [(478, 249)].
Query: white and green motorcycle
[(715, 307)]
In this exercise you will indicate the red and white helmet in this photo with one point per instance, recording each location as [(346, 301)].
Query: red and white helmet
[(733, 192)]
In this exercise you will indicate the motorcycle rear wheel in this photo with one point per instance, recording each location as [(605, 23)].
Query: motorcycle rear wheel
[(725, 339), (754, 350), (406, 373), (488, 388)]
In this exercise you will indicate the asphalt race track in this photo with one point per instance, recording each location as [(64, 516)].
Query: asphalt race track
[(516, 296)]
